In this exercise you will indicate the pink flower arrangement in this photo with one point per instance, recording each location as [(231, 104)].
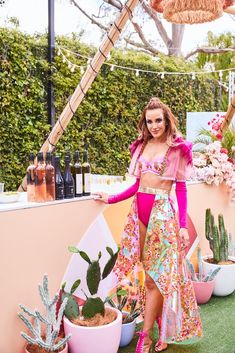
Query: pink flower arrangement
[(213, 165), (215, 125)]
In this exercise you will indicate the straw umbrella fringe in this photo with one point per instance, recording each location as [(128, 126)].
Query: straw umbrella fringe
[(156, 5), (92, 70), (228, 3), (191, 11)]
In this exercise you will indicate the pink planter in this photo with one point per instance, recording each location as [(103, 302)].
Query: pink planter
[(203, 291), (97, 339)]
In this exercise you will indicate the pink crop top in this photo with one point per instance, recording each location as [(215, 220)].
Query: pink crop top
[(153, 167)]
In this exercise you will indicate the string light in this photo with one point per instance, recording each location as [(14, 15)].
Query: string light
[(136, 71)]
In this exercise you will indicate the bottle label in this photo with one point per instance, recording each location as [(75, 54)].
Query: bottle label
[(59, 192), (87, 182), (78, 183), (69, 191)]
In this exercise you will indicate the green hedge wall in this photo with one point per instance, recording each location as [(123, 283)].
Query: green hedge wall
[(106, 120)]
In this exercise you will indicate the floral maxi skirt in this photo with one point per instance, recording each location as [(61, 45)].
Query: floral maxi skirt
[(165, 264)]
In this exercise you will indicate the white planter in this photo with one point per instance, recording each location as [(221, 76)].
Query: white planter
[(225, 279), (99, 339)]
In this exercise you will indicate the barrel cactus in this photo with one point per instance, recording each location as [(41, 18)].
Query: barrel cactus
[(217, 237), (93, 304)]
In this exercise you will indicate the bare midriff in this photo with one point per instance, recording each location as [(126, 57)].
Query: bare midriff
[(152, 180)]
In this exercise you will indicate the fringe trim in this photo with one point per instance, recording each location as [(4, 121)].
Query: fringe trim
[(156, 5), (191, 11)]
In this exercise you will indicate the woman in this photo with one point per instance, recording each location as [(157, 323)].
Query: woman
[(152, 234)]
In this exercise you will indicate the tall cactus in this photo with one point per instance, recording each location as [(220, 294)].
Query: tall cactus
[(93, 305), (217, 237), (48, 339)]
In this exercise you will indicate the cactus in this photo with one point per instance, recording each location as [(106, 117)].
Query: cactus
[(52, 322), (217, 237), (93, 305), (200, 278), (122, 299), (211, 275)]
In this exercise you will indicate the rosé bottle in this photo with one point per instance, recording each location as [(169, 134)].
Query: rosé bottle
[(31, 179), (40, 180)]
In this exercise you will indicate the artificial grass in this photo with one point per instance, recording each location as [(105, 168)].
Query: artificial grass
[(218, 319)]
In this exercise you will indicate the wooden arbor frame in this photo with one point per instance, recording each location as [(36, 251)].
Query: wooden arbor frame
[(90, 75)]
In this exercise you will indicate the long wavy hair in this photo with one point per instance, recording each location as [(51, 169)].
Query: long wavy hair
[(170, 119)]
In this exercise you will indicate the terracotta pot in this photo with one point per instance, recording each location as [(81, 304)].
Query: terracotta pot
[(98, 339), (203, 291), (65, 350)]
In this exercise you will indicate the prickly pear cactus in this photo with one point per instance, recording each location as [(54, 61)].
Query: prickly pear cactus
[(72, 309), (94, 305)]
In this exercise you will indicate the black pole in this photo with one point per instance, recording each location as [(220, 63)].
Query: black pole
[(51, 52)]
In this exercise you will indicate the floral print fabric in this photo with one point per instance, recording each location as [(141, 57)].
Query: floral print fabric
[(162, 260)]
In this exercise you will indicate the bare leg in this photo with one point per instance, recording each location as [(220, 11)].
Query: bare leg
[(154, 299)]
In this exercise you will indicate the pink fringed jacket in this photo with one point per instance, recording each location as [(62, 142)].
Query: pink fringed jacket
[(179, 160)]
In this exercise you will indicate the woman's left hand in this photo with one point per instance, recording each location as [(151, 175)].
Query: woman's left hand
[(184, 238)]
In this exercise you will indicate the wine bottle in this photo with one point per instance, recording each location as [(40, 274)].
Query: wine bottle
[(77, 174), (86, 174), (31, 179), (50, 178), (40, 179), (69, 189), (59, 181)]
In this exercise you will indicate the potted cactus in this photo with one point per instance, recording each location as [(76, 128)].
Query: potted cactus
[(218, 238), (203, 284), (127, 306), (94, 326), (45, 328)]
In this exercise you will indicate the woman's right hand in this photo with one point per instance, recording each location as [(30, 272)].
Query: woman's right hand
[(100, 196)]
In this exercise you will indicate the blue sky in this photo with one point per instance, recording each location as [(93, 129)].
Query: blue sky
[(32, 15)]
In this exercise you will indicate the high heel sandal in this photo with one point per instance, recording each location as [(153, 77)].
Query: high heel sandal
[(159, 346), (141, 346)]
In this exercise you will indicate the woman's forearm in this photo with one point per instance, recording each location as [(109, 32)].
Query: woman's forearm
[(126, 194)]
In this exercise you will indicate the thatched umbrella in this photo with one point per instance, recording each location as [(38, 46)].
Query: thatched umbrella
[(156, 5), (191, 11)]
